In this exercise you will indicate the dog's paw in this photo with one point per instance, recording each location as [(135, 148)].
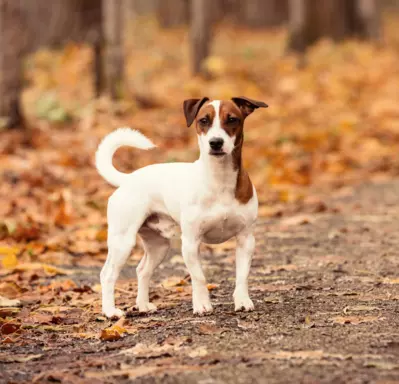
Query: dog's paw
[(243, 303), (202, 307), (146, 307), (113, 312)]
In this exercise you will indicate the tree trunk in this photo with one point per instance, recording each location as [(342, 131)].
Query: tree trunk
[(369, 18), (113, 63), (142, 7), (11, 47), (200, 33), (312, 19), (297, 25), (173, 13), (263, 13)]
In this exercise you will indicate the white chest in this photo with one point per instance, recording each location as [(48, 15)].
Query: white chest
[(216, 229), (224, 219)]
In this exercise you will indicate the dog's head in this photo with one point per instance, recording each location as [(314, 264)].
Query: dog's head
[(219, 124)]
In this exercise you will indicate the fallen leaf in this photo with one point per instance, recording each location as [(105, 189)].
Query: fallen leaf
[(10, 289), (198, 352), (391, 280), (359, 308), (355, 320), (63, 216), (115, 332), (4, 302), (15, 358), (297, 220), (101, 235), (8, 312), (209, 329), (212, 287), (7, 340), (9, 261), (8, 328), (51, 270), (381, 365), (174, 282), (26, 232), (273, 300)]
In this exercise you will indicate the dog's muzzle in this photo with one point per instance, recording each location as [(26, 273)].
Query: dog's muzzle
[(216, 145)]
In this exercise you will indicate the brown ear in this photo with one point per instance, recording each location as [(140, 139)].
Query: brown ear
[(247, 106), (191, 108)]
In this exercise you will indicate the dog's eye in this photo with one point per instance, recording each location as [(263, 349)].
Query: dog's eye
[(232, 120), (203, 121)]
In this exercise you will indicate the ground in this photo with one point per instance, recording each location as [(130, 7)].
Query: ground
[(326, 288)]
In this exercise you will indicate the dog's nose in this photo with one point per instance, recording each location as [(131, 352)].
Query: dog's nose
[(216, 143)]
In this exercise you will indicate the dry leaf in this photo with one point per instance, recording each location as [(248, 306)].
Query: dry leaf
[(297, 220), (355, 320), (9, 261), (198, 352), (4, 302), (51, 270), (8, 328), (10, 289), (209, 329), (174, 282), (359, 308), (115, 332), (212, 287)]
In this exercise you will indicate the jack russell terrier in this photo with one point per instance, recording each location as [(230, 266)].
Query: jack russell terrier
[(211, 200)]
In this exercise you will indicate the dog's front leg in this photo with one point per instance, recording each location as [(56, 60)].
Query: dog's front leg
[(244, 252), (190, 250)]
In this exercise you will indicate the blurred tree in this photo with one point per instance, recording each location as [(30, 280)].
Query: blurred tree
[(338, 19), (27, 25), (262, 13), (64, 21), (141, 7), (172, 13), (12, 41), (200, 34), (113, 36)]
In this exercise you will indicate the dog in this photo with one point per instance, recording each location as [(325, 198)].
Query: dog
[(210, 200)]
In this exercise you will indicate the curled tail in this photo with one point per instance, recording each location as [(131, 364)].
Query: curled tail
[(109, 145)]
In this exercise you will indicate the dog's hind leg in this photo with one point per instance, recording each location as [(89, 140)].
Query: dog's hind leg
[(125, 217), (156, 248)]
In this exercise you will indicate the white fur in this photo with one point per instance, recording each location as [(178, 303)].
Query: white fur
[(198, 197), (107, 148)]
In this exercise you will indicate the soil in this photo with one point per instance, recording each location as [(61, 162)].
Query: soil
[(326, 290)]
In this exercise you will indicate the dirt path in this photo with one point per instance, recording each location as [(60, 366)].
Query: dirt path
[(326, 289)]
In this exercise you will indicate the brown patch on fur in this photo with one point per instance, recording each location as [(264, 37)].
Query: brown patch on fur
[(152, 219), (191, 108), (206, 113), (247, 105), (231, 118), (232, 121), (244, 189)]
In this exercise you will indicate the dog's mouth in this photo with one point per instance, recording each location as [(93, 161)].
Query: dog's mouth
[(219, 153)]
